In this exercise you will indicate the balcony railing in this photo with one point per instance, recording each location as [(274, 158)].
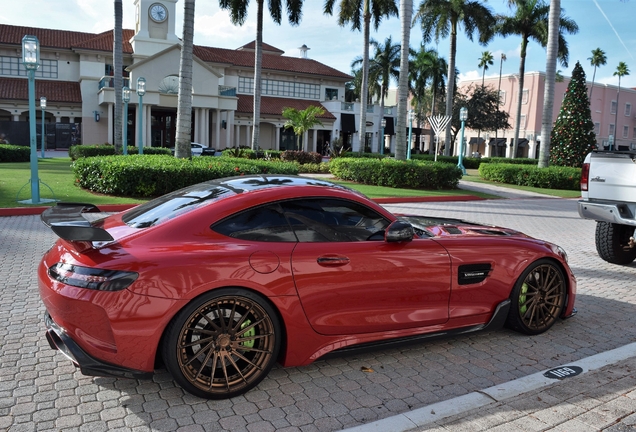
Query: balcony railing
[(388, 110), (346, 106), (109, 81), (227, 91), (370, 108)]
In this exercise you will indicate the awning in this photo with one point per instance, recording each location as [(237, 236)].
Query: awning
[(522, 142), (389, 129), (501, 142), (414, 131), (348, 123), (475, 140)]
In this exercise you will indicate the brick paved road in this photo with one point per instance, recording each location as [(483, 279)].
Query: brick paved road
[(40, 390)]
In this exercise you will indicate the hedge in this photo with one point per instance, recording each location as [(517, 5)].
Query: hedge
[(81, 151), (397, 174), (150, 176), (553, 177), (468, 162), (14, 153)]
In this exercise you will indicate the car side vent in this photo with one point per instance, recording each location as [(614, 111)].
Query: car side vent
[(473, 273), (491, 232), (453, 230)]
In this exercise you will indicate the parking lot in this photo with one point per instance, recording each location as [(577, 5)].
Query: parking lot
[(41, 390)]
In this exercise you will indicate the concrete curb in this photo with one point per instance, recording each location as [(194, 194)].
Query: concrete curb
[(440, 410)]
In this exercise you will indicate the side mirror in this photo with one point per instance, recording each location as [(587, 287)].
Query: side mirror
[(399, 231)]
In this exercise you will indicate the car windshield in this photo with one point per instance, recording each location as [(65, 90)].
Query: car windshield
[(174, 204)]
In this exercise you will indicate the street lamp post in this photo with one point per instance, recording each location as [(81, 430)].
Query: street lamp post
[(408, 148), (43, 106), (383, 123), (463, 115), (31, 61), (125, 97), (141, 91)]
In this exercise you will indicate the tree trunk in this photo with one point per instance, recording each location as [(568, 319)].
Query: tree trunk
[(450, 87), (550, 73), (522, 69), (592, 86), (406, 11), (258, 61), (184, 101), (118, 60), (364, 92)]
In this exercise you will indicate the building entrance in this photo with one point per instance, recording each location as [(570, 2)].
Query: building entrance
[(163, 128)]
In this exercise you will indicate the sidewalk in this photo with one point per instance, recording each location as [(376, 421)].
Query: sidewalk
[(601, 398)]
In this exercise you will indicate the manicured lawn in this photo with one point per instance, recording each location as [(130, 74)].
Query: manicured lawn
[(473, 176), (55, 173)]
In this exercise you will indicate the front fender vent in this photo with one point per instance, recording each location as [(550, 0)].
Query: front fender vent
[(473, 273)]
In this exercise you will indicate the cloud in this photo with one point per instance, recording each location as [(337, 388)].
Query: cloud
[(217, 30)]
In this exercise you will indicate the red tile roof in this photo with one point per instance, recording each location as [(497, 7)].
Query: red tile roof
[(55, 91), (266, 47), (274, 106), (272, 62), (244, 56)]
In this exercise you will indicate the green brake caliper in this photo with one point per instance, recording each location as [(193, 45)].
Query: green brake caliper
[(522, 299), (250, 333)]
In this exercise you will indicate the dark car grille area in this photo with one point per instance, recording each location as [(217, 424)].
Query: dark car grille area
[(473, 273)]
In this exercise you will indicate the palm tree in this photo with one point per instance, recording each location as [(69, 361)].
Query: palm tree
[(485, 60), (302, 120), (406, 12), (503, 59), (184, 99), (118, 60), (238, 15), (621, 71), (426, 65), (359, 13), (598, 59), (551, 77), (386, 66), (441, 18), (530, 21)]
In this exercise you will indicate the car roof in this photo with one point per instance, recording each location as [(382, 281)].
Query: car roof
[(257, 182)]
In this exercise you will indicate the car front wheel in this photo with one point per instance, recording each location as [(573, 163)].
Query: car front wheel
[(538, 298), (222, 344)]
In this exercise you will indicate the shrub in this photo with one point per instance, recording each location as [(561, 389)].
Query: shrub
[(313, 168), (14, 153), (81, 151), (553, 177), (148, 176), (302, 157), (397, 174)]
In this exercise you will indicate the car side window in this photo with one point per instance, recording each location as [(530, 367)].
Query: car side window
[(265, 223), (333, 220)]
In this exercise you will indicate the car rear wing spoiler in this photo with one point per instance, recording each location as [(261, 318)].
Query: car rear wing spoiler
[(67, 221)]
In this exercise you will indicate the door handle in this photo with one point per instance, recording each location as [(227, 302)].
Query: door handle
[(333, 261)]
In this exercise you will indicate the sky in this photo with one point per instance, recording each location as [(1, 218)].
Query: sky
[(604, 24)]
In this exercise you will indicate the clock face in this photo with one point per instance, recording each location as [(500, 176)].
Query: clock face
[(158, 12)]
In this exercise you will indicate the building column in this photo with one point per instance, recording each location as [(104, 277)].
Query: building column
[(228, 127), (277, 139), (217, 129), (315, 141), (111, 139), (147, 126), (248, 140), (237, 135), (206, 126)]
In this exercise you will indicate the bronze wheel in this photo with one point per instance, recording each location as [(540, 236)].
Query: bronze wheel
[(222, 344), (538, 298)]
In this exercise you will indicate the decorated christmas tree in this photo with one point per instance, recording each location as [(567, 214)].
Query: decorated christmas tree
[(573, 134)]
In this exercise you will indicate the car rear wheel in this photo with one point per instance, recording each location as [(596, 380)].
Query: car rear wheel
[(222, 344), (538, 298), (613, 243)]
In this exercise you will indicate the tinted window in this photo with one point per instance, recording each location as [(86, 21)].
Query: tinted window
[(173, 204), (333, 220), (265, 223)]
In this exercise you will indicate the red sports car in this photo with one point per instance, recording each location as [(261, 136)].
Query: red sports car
[(220, 280)]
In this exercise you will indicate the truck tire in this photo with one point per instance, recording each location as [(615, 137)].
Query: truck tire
[(612, 243)]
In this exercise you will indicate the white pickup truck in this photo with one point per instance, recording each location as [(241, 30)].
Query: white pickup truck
[(608, 189)]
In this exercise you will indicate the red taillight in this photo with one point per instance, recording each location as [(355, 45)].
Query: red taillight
[(92, 278), (585, 176)]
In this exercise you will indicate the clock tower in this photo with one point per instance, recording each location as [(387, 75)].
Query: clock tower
[(154, 26)]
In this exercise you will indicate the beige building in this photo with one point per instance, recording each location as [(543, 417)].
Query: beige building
[(76, 77)]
